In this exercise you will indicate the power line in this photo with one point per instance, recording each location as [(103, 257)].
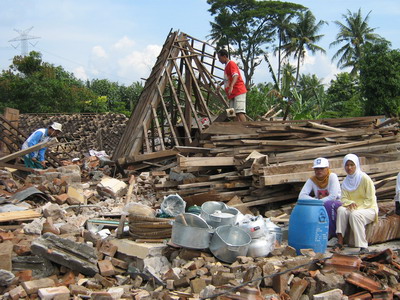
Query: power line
[(105, 74)]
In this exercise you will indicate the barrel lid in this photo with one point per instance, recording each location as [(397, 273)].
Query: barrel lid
[(313, 202)]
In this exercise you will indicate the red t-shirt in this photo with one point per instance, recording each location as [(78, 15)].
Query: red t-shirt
[(231, 69)]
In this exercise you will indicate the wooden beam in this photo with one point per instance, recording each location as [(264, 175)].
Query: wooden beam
[(303, 176), (160, 136), (171, 126), (19, 215), (150, 156), (146, 138), (27, 150), (284, 143), (178, 106), (188, 98), (325, 127), (185, 162), (17, 167), (322, 151)]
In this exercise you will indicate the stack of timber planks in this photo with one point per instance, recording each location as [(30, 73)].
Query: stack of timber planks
[(268, 162)]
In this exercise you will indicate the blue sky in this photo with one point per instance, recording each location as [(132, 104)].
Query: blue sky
[(119, 40)]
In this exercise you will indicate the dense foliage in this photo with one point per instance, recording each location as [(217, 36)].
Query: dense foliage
[(380, 80), (34, 86)]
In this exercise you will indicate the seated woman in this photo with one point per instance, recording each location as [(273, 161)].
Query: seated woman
[(359, 204), (324, 186), (397, 196)]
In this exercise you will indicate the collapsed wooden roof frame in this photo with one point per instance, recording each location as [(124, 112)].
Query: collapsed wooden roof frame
[(180, 91)]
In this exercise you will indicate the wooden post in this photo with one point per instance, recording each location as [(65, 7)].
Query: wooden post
[(132, 182)]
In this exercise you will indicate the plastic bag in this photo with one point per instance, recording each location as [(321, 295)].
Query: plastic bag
[(254, 225), (173, 205)]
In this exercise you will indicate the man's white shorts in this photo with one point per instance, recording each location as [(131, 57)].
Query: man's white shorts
[(238, 103)]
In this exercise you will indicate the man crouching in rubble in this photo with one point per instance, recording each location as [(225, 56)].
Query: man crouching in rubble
[(36, 159)]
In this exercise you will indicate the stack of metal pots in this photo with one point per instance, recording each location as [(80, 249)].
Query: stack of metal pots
[(214, 229), (260, 240)]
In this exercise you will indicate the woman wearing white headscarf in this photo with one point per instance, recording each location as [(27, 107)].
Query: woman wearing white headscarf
[(359, 205)]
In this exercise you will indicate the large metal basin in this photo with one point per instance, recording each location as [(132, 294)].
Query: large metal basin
[(229, 242), (218, 214), (191, 231)]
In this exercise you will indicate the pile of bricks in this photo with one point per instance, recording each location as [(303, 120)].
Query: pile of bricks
[(55, 254)]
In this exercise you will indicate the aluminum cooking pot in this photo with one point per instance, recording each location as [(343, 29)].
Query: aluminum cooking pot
[(191, 231), (229, 242), (218, 214), (210, 207), (260, 247)]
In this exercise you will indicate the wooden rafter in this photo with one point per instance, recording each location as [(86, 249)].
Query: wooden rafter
[(175, 99)]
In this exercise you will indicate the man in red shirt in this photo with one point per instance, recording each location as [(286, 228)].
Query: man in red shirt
[(234, 86)]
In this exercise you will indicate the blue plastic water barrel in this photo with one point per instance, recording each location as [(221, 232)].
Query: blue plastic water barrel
[(309, 226)]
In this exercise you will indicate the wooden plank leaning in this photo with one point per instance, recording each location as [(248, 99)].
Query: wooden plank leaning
[(27, 150)]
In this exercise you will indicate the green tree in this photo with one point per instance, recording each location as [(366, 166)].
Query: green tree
[(284, 30), (248, 26), (108, 89), (380, 79), (28, 65), (120, 99), (316, 103), (344, 92), (305, 37), (97, 105), (354, 33), (283, 91), (133, 93), (259, 100), (32, 85)]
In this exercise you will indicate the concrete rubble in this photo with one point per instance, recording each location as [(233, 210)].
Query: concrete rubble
[(73, 249)]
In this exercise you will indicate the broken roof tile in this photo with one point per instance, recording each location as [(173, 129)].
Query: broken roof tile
[(363, 282), (360, 296), (342, 264), (383, 294), (384, 257), (380, 269)]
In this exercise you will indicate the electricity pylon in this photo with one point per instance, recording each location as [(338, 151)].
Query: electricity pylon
[(23, 38)]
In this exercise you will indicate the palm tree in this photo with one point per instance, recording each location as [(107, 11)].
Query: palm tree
[(354, 33), (305, 36), (219, 29), (284, 29)]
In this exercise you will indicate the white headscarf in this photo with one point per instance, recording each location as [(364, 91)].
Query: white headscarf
[(351, 182)]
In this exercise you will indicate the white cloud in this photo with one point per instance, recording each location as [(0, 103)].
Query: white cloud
[(321, 65), (124, 43), (99, 52), (139, 63), (94, 70), (318, 64), (80, 73)]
